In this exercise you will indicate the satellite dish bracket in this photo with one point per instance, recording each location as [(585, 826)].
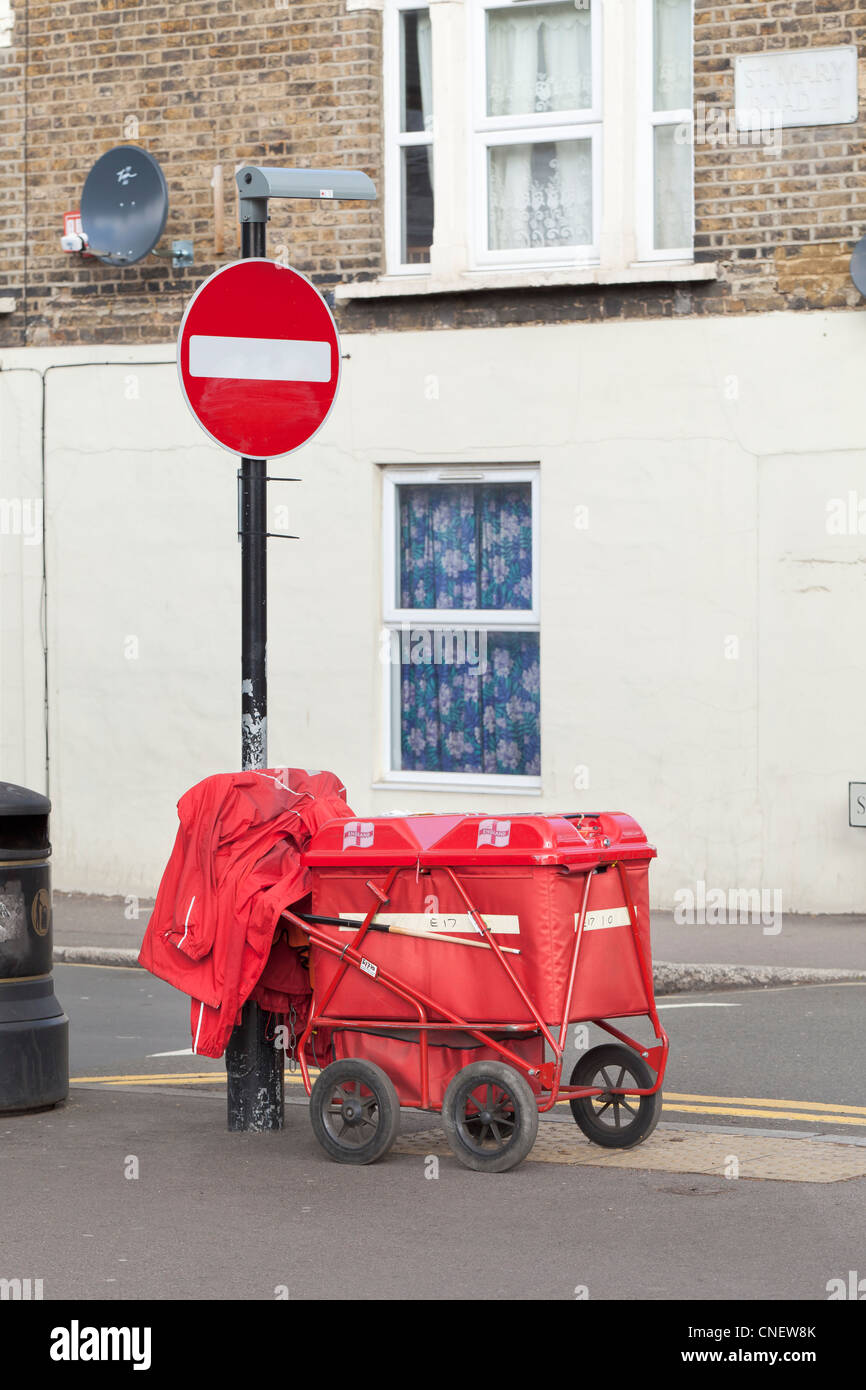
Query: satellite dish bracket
[(180, 255)]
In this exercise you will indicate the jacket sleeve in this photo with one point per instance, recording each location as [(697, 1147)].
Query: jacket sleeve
[(191, 926)]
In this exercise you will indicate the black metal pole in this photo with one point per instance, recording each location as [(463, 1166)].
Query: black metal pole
[(254, 1064)]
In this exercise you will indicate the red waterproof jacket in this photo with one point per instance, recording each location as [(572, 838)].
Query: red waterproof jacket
[(236, 864)]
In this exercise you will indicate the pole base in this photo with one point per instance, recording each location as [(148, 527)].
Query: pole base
[(254, 1074)]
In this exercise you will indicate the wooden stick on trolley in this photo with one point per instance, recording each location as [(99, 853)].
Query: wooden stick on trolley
[(405, 931)]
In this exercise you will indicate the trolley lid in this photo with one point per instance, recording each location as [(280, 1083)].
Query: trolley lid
[(569, 838)]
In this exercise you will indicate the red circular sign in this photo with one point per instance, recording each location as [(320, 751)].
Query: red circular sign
[(258, 358)]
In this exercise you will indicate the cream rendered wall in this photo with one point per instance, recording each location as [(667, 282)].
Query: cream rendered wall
[(700, 652), (22, 666)]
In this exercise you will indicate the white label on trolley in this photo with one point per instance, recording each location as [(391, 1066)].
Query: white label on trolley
[(494, 832), (358, 834), (369, 968), (602, 918), (448, 922)]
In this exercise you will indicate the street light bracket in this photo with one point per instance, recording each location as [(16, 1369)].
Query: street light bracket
[(256, 185)]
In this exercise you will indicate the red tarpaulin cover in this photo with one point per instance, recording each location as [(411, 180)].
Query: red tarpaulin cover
[(236, 864)]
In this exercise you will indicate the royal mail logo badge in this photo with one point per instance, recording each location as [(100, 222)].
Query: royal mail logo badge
[(494, 832), (358, 834)]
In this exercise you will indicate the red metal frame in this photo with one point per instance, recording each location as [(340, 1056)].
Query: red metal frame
[(549, 1075)]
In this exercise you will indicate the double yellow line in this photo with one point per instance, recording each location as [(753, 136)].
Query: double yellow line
[(177, 1078), (740, 1107), (190, 1078), (752, 1107)]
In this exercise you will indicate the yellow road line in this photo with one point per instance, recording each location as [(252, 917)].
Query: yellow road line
[(766, 1114), (151, 1076), (816, 1112), (763, 1100), (215, 1080)]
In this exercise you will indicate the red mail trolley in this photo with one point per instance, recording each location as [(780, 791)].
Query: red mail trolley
[(450, 955)]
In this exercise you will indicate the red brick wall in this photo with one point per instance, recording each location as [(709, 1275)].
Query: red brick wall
[(784, 225), (209, 82), (225, 81)]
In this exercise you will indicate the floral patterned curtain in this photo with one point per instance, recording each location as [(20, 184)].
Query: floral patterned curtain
[(469, 704), (466, 546)]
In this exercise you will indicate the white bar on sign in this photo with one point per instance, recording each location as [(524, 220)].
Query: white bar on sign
[(259, 359), (603, 918), (499, 924)]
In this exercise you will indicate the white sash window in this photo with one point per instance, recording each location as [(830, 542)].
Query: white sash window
[(527, 136)]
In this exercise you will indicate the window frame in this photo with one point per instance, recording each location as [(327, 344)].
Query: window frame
[(623, 172), (7, 23), (396, 140), (648, 120), (395, 618), (528, 128), (392, 613)]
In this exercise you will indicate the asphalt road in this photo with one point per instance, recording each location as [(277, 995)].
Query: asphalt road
[(134, 1189), (783, 1059), (209, 1215)]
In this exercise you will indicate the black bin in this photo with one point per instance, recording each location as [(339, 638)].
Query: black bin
[(34, 1031)]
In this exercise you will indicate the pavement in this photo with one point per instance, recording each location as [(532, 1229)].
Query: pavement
[(795, 950)]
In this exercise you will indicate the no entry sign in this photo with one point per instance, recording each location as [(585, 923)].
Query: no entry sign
[(258, 358)]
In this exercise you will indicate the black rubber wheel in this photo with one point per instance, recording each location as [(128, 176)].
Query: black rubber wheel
[(490, 1117), (615, 1122), (354, 1111)]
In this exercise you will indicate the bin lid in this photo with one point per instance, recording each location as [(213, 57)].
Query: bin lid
[(23, 823), (477, 839)]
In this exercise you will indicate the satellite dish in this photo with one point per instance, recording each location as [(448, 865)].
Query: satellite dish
[(124, 205), (858, 265)]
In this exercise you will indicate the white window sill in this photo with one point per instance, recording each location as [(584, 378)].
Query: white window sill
[(648, 272), (440, 782), (8, 305)]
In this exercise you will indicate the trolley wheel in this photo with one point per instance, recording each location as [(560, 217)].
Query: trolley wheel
[(354, 1111), (615, 1122), (490, 1117)]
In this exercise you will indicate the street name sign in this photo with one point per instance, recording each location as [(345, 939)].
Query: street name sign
[(803, 87), (258, 357)]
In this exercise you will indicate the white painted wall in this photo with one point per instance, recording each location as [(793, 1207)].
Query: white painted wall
[(22, 667), (706, 451)]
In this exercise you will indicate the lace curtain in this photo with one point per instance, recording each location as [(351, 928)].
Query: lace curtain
[(425, 69), (461, 547), (672, 156), (539, 58), (539, 194), (672, 84), (673, 190)]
